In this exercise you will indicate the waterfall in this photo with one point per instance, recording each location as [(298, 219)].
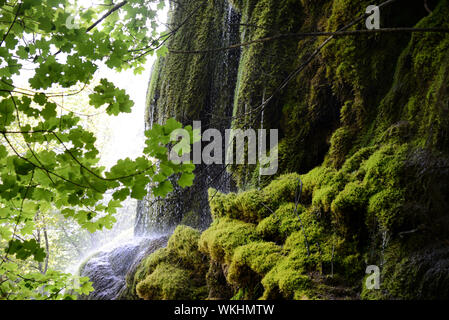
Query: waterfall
[(190, 206), (107, 269)]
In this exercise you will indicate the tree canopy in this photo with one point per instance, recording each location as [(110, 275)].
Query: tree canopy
[(48, 158)]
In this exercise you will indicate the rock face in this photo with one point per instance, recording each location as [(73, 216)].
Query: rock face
[(108, 269), (364, 128)]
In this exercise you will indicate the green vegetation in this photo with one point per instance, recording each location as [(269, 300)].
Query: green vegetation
[(50, 174), (267, 260), (363, 153), (177, 272)]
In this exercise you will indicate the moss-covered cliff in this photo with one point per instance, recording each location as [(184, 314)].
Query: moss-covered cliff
[(364, 130)]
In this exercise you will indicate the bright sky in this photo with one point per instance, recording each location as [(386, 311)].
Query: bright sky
[(126, 130)]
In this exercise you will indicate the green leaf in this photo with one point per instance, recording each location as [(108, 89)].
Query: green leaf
[(22, 167), (24, 249), (49, 111), (162, 52), (42, 194), (186, 179), (40, 98), (106, 93), (163, 189), (121, 194), (171, 125)]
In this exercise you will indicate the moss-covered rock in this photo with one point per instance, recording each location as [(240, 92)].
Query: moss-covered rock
[(252, 262), (253, 205), (364, 130), (194, 87), (168, 282), (177, 271), (278, 226), (224, 236)]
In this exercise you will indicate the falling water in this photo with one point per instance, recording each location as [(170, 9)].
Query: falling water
[(385, 240), (107, 269), (190, 206)]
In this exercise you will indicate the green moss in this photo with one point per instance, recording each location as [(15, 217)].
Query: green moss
[(323, 197), (281, 190), (308, 250), (366, 124), (249, 205), (280, 224), (353, 164), (224, 236), (253, 206), (418, 91), (184, 79), (175, 272), (342, 142), (255, 258), (240, 295), (286, 280), (168, 282), (263, 67), (221, 205), (385, 167), (350, 204), (150, 263), (184, 244), (314, 179), (387, 206)]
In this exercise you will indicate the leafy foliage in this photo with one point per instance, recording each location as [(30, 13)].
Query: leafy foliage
[(48, 159)]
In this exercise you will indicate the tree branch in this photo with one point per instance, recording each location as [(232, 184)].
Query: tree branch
[(41, 168), (149, 48), (107, 14), (426, 6), (92, 172), (312, 34), (12, 25)]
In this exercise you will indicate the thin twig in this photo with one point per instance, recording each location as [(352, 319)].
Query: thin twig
[(166, 36), (426, 6), (19, 216), (41, 167), (92, 172), (312, 34), (107, 14), (12, 24)]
